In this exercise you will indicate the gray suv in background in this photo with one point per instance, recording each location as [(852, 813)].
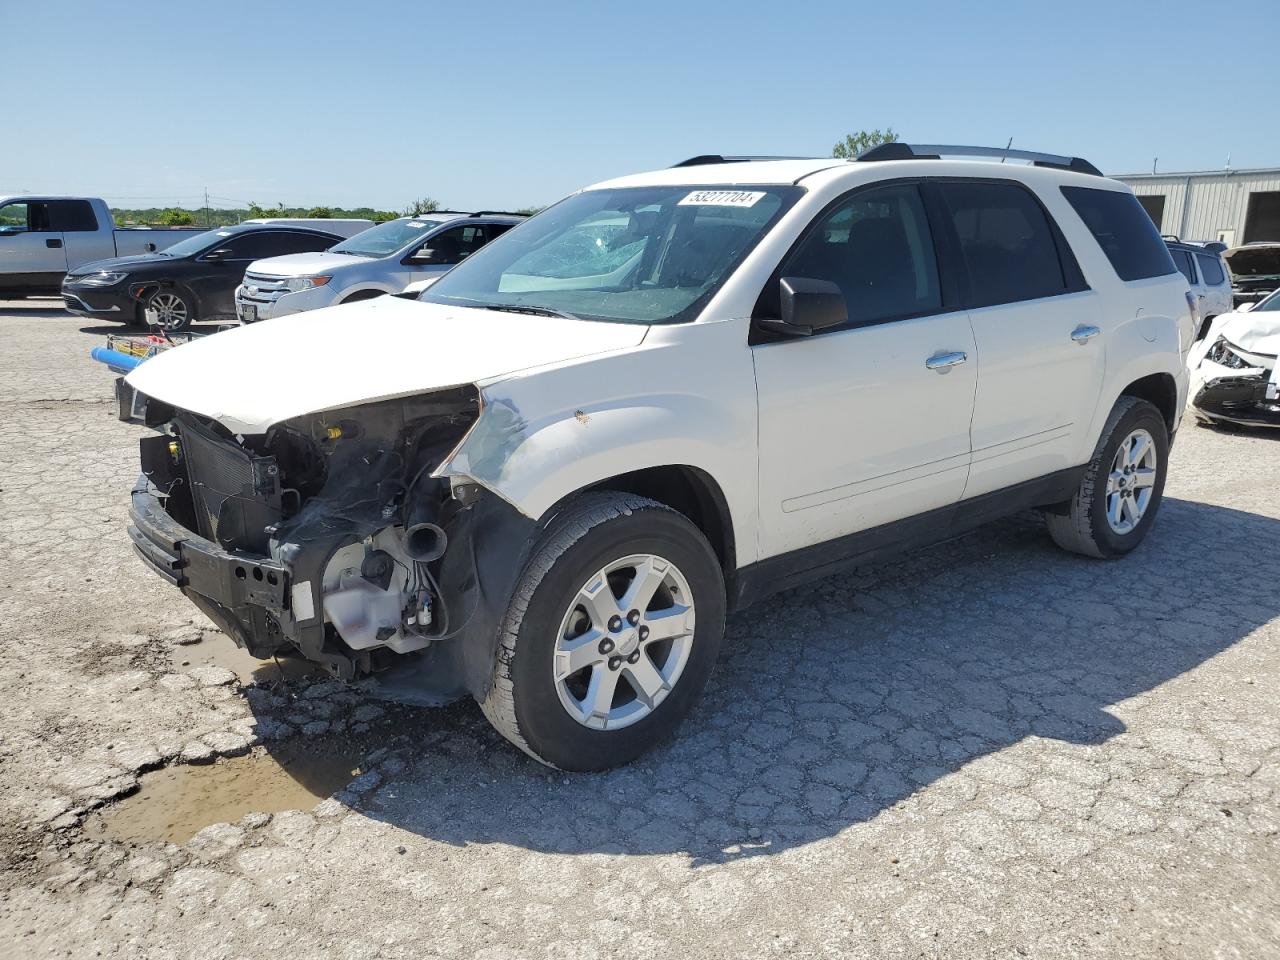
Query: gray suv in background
[(382, 259), (1207, 275)]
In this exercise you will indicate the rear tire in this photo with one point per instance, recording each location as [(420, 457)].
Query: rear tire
[(1118, 499), (611, 635)]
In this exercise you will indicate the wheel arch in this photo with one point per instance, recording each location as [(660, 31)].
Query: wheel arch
[(688, 490), (362, 293), (1161, 391)]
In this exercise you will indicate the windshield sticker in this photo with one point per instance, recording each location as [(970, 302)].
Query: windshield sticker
[(417, 224), (722, 198)]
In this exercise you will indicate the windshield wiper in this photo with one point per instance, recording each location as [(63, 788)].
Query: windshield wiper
[(529, 309)]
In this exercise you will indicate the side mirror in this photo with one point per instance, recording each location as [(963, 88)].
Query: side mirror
[(808, 305), (150, 248), (222, 253)]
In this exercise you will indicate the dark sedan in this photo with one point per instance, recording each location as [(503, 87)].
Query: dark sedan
[(194, 279)]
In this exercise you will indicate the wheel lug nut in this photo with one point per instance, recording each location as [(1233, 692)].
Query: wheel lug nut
[(635, 657), (615, 663), (606, 645), (644, 633), (615, 623), (633, 617)]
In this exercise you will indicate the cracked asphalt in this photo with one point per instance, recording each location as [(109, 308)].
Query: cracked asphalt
[(988, 748)]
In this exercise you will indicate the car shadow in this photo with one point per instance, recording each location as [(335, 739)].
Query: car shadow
[(835, 702)]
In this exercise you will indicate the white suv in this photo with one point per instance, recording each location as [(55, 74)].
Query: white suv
[(544, 482)]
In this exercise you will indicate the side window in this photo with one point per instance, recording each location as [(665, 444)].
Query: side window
[(1123, 231), (13, 217), (1182, 260), (72, 216), (495, 230), (877, 248), (1006, 241), (259, 245), (1211, 269), (25, 215), (280, 244), (452, 246)]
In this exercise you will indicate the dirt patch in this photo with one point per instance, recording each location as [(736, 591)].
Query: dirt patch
[(175, 803)]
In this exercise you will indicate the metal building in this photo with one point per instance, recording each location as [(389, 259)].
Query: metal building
[(1234, 206)]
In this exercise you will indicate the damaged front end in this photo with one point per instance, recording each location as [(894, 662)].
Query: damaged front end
[(1232, 384), (328, 537)]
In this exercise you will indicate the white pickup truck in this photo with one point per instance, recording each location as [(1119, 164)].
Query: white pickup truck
[(41, 238)]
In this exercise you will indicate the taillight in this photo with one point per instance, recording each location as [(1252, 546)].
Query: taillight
[(1194, 306)]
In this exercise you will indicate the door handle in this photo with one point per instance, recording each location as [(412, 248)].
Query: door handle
[(53, 244), (1084, 333), (943, 362)]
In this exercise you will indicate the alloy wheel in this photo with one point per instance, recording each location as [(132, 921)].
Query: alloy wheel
[(1131, 481), (169, 309), (624, 641)]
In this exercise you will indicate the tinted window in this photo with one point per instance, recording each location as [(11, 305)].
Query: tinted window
[(75, 216), (1182, 260), (453, 246), (1007, 242), (271, 243), (1123, 230), (1211, 269), (876, 247)]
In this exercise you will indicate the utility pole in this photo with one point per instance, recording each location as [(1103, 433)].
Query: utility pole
[(206, 206)]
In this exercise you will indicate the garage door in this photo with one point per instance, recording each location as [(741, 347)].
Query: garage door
[(1153, 203), (1262, 222)]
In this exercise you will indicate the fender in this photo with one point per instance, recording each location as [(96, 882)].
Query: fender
[(1143, 345), (538, 440), (362, 288)]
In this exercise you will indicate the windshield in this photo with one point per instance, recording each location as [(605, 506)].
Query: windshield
[(386, 238), (193, 245), (639, 255), (1270, 303)]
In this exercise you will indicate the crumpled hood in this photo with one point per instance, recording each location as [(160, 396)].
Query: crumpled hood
[(1257, 331), (303, 264), (251, 377)]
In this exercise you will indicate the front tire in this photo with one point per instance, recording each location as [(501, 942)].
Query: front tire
[(611, 635), (173, 311), (1123, 485)]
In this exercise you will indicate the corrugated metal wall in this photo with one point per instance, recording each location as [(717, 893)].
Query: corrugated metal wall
[(1204, 206)]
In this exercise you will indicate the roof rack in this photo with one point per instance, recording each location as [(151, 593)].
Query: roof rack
[(497, 213), (704, 159), (932, 151)]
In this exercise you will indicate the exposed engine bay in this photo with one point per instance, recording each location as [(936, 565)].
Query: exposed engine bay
[(328, 535), (1234, 374)]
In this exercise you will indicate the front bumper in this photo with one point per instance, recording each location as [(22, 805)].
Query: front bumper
[(98, 301), (250, 596), (1250, 397), (280, 305)]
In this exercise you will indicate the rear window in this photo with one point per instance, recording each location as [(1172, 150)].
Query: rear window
[(1211, 269), (1182, 260), (1123, 230)]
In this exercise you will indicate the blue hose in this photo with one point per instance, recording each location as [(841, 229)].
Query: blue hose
[(117, 361)]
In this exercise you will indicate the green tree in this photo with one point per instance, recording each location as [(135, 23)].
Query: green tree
[(420, 206), (323, 213), (173, 217), (855, 143)]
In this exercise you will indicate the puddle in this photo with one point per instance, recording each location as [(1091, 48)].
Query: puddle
[(220, 651), (175, 803)]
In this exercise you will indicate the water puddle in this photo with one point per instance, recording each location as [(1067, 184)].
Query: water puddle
[(175, 803), (220, 651)]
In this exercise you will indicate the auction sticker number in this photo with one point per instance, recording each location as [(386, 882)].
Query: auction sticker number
[(722, 198)]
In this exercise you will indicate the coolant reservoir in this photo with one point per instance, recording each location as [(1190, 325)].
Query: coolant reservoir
[(360, 610)]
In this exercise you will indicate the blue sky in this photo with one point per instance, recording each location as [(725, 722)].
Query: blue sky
[(497, 104)]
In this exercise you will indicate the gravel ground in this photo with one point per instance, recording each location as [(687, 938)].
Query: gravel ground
[(989, 748)]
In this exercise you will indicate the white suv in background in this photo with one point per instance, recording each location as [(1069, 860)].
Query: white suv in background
[(545, 481), (1206, 272)]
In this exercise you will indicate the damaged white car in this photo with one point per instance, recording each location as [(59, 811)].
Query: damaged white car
[(544, 482), (1234, 374)]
